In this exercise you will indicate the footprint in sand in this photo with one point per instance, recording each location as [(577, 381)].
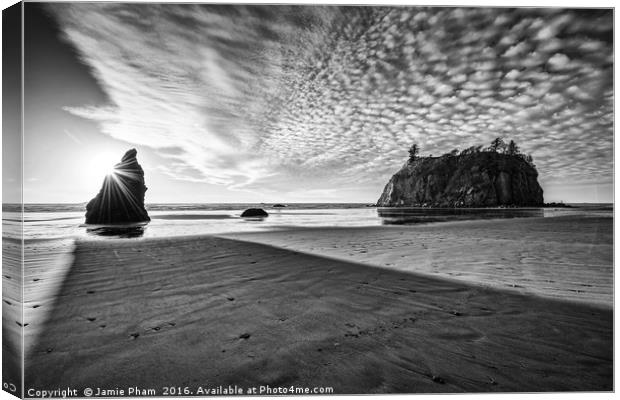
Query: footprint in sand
[(159, 328), (460, 333)]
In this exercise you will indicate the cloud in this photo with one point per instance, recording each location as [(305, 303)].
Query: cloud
[(559, 62), (282, 98)]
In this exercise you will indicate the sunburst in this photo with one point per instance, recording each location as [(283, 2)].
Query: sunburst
[(117, 190)]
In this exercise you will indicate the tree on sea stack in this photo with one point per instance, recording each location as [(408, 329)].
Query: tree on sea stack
[(512, 149), (497, 145), (530, 160), (413, 153)]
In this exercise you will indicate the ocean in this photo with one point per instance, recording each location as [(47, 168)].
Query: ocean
[(66, 221)]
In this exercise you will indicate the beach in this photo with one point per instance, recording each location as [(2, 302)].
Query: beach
[(514, 305)]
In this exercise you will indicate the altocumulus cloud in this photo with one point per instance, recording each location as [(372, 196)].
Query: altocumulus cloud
[(263, 96)]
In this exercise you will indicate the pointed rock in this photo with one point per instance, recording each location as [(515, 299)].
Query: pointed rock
[(121, 198)]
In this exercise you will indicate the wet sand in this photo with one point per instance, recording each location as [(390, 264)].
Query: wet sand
[(566, 257), (208, 311)]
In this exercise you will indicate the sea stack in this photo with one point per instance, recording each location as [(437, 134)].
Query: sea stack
[(254, 212), (478, 179), (121, 198)]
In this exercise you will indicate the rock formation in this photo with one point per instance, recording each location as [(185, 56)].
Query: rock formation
[(482, 179), (121, 198), (254, 212)]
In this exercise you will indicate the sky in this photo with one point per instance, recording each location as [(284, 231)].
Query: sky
[(309, 103)]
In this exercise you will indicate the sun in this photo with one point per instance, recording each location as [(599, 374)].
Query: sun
[(102, 164)]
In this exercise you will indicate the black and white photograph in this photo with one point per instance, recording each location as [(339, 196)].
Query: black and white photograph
[(211, 199)]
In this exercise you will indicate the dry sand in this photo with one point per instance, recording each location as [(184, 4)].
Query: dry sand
[(12, 304), (24, 317), (209, 311)]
